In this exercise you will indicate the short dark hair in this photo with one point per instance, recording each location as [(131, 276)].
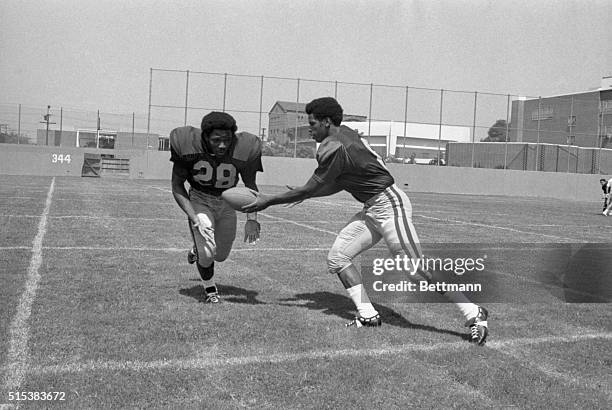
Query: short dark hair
[(218, 120), (603, 180), (325, 107)]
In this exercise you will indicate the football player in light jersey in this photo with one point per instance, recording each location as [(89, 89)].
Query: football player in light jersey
[(346, 162), (606, 187), (210, 160)]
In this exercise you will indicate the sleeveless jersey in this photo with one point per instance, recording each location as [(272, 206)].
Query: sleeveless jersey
[(204, 171), (347, 160)]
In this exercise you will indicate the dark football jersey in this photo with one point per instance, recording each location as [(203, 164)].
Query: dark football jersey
[(607, 188), (347, 160), (204, 171)]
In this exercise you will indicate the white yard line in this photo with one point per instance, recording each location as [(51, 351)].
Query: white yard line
[(314, 228), (346, 204), (500, 227), (455, 221), (152, 249), (139, 218), (203, 363), (19, 331), (535, 362)]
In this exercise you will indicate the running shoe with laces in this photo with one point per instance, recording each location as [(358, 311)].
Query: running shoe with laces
[(359, 321), (479, 329)]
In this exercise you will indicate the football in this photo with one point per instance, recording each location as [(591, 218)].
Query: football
[(238, 197)]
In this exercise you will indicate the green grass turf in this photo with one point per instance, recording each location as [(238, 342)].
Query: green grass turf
[(117, 327)]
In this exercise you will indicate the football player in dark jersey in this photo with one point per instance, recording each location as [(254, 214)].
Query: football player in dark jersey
[(346, 162), (210, 159), (606, 187)]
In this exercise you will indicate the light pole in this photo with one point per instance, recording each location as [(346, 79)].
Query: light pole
[(47, 119)]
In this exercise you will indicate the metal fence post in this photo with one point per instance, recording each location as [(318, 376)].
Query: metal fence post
[(261, 85), (370, 110), (61, 122), (600, 126), (133, 126), (506, 138), (569, 137), (186, 96), (539, 117), (98, 131), (405, 124), (474, 129), (19, 124), (149, 113), (440, 124), (297, 104), (224, 90)]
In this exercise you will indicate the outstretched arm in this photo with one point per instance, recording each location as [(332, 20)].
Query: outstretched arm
[(312, 188), (325, 191)]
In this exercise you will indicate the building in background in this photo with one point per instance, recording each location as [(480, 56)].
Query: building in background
[(284, 117), (403, 141), (583, 119), (389, 139)]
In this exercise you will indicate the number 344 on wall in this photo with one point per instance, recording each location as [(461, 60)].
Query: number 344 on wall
[(60, 158)]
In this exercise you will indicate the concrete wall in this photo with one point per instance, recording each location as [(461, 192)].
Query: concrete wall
[(36, 160), (478, 181), (49, 160)]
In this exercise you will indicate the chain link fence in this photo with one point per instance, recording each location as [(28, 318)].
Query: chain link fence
[(402, 123), (25, 124)]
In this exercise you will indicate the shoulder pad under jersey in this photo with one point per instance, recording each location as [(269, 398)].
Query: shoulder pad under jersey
[(327, 148), (248, 147), (186, 141)]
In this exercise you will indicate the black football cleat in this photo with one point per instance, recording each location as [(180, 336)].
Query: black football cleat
[(359, 321), (212, 295), (479, 329)]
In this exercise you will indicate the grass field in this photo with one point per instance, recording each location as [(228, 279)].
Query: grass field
[(98, 302)]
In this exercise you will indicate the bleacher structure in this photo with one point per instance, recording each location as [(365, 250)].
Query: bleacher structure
[(96, 165)]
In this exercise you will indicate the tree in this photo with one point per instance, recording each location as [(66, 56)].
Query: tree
[(497, 132), (13, 138)]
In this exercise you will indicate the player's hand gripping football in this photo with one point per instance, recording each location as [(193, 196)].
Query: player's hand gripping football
[(251, 231), (260, 203)]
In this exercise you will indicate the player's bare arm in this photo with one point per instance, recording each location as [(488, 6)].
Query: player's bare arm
[(180, 194), (328, 190), (312, 188), (325, 189), (252, 228)]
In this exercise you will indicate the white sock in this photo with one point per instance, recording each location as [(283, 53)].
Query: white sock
[(466, 307), (209, 283), (362, 302)]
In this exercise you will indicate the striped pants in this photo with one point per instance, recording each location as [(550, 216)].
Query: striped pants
[(387, 216)]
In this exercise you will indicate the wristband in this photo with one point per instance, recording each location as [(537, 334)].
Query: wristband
[(252, 216)]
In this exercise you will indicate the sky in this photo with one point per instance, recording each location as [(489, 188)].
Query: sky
[(98, 54)]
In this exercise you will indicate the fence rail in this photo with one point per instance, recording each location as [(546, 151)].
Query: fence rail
[(182, 97)]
